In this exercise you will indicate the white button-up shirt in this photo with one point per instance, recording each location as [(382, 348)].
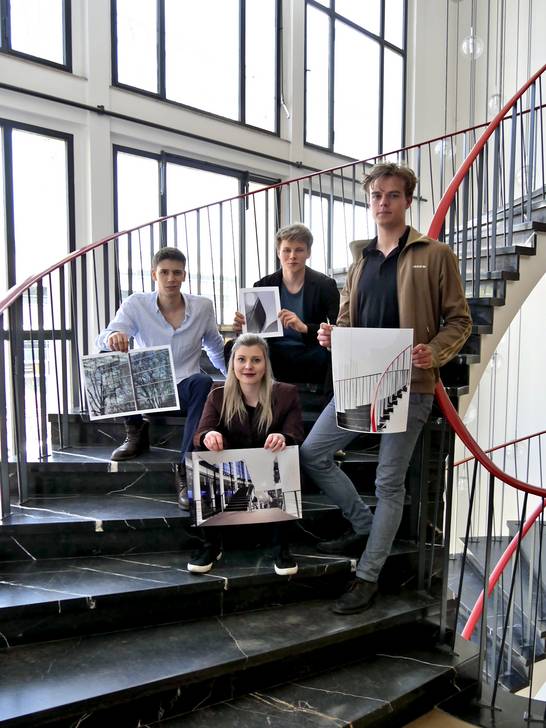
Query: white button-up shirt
[(139, 316)]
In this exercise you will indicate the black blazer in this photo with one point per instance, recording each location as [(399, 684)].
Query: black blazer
[(320, 299)]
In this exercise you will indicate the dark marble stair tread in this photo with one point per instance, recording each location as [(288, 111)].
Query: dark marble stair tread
[(94, 508), (81, 579), (97, 458), (362, 694), (75, 674)]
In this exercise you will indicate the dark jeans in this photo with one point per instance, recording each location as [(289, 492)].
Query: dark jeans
[(192, 393)]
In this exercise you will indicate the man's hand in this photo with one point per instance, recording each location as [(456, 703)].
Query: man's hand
[(421, 356), (275, 442), (290, 321), (324, 335), (118, 341), (238, 321), (213, 441)]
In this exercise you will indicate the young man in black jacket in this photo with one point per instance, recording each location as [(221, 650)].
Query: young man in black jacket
[(307, 298)]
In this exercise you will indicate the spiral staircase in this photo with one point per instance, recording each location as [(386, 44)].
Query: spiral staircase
[(102, 623)]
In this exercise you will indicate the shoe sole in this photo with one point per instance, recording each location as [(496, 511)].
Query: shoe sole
[(131, 457), (202, 569), (290, 571)]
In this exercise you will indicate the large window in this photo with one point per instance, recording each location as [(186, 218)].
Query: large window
[(220, 56), (38, 30), (227, 245), (354, 81)]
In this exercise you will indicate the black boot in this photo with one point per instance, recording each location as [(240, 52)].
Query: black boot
[(136, 441), (181, 487)]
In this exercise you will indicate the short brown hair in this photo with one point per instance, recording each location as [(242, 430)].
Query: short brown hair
[(294, 233), (168, 254), (391, 169)]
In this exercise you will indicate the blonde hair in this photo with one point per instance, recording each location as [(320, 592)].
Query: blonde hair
[(234, 402)]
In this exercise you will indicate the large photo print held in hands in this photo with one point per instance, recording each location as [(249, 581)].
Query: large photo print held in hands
[(372, 375), (250, 485)]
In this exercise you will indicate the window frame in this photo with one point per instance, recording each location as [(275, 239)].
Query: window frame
[(161, 94), (333, 16), (6, 48)]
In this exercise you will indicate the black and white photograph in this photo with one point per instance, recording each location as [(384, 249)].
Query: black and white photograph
[(261, 307), (138, 381), (372, 375), (234, 487)]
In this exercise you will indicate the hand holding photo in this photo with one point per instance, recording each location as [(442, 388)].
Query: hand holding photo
[(261, 307)]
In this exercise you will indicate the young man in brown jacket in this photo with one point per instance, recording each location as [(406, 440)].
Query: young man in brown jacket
[(400, 279)]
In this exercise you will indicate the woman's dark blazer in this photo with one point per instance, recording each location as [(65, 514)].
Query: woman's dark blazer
[(287, 420), (320, 299)]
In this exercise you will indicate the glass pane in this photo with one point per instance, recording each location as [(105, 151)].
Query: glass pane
[(260, 64), (316, 67), (317, 218), (393, 98), (207, 236), (356, 115), (137, 202), (260, 256), (40, 202), (366, 14), (137, 43), (202, 54), (3, 250), (351, 222), (394, 22), (37, 28)]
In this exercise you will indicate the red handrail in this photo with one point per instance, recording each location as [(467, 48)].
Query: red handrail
[(476, 612), (500, 447), (449, 194)]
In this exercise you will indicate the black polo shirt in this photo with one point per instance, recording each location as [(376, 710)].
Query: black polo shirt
[(377, 302)]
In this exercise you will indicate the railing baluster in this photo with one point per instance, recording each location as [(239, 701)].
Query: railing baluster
[(447, 538), (531, 154), (55, 362), (482, 657), (479, 223), (35, 378), (17, 352), (5, 500), (511, 178)]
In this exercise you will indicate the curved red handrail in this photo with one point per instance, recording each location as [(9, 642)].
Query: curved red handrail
[(449, 194), (464, 435), (501, 447), (476, 612)]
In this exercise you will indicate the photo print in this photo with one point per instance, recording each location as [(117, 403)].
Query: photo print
[(254, 485), (261, 307), (141, 380), (372, 375)]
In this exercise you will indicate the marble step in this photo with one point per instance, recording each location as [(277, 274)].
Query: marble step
[(55, 598), (399, 684), (157, 670)]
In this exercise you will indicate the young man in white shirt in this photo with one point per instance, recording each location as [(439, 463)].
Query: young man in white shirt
[(182, 321)]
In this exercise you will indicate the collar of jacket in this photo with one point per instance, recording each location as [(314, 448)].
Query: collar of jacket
[(357, 246)]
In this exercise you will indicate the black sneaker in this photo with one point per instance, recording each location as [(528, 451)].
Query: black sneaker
[(284, 563), (358, 597), (350, 544), (202, 560)]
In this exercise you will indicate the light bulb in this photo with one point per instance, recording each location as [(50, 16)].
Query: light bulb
[(494, 104), (472, 46)]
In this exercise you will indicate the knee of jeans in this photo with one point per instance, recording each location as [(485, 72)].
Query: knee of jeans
[(394, 492), (314, 459)]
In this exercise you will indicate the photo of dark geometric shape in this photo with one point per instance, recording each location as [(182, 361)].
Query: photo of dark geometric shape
[(261, 307), (372, 376), (119, 383), (233, 487)]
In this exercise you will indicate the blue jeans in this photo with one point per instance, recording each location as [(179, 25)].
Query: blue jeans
[(395, 451), (192, 393)]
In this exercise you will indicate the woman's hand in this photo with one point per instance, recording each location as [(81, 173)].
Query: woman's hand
[(275, 442), (213, 441)]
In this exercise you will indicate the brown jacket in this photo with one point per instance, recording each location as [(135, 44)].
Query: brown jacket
[(431, 301), (287, 420)]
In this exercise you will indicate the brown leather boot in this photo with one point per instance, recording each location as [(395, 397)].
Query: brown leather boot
[(181, 487), (136, 442)]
